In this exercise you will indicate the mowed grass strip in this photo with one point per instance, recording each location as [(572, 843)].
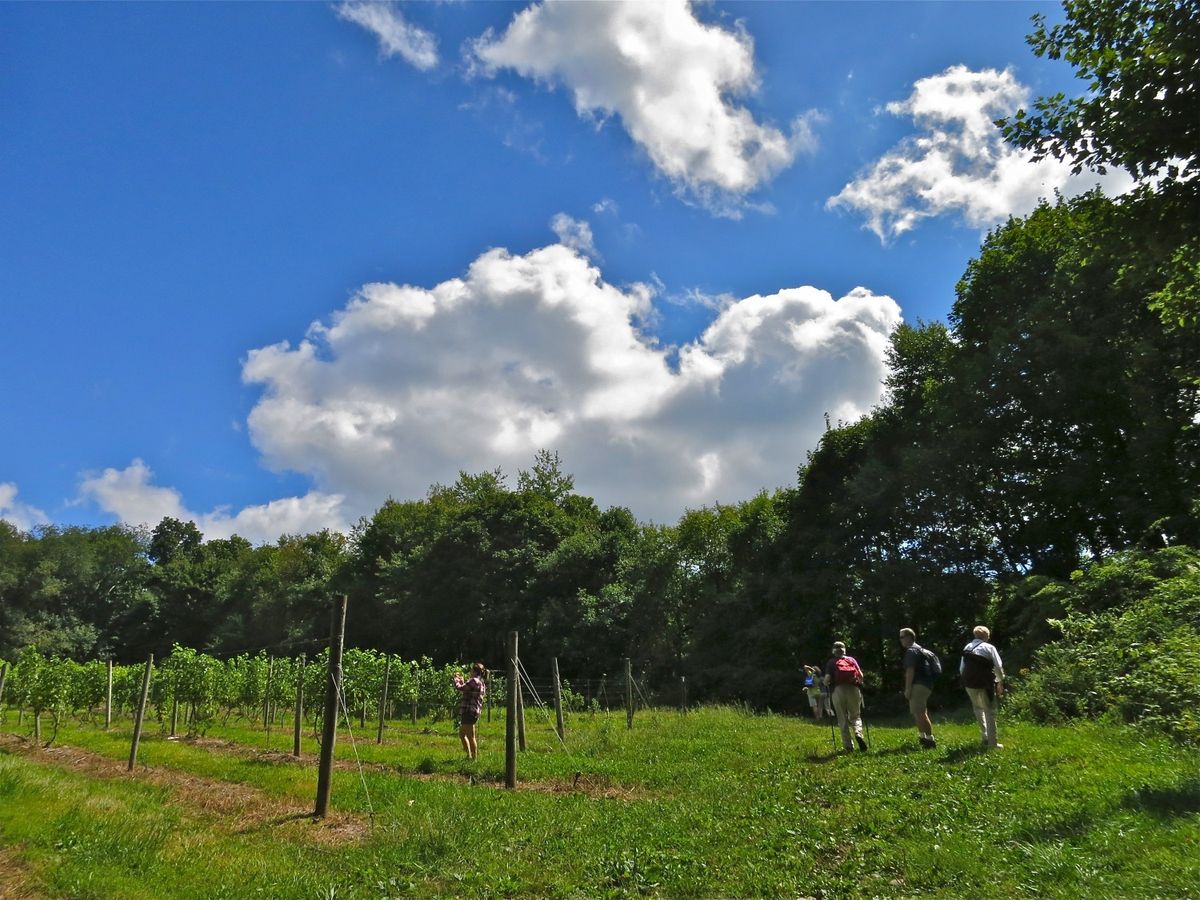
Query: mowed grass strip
[(718, 802)]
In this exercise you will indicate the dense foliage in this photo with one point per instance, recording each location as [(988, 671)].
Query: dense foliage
[(1129, 648)]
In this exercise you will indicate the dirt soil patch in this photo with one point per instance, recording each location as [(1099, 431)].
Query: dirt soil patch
[(16, 883), (239, 807)]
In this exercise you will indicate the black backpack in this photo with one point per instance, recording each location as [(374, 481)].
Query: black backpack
[(933, 665), (977, 671)]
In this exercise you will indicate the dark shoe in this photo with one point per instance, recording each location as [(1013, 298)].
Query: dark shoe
[(862, 743), (929, 743)]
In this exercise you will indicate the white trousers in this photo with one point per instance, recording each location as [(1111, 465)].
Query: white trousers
[(983, 702)]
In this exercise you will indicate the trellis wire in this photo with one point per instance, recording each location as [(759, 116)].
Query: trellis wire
[(341, 693)]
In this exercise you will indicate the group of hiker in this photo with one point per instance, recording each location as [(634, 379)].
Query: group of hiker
[(837, 688)]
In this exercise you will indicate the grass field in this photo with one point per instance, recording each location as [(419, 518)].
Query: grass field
[(716, 803)]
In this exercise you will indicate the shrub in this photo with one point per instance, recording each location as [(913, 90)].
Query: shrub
[(1129, 648)]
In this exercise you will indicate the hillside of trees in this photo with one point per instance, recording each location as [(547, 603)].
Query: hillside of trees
[(1050, 427)]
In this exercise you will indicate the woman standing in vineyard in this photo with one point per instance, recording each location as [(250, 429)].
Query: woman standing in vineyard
[(472, 691)]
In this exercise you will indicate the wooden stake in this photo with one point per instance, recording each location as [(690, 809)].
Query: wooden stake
[(174, 715), (558, 713), (683, 694), (628, 693), (267, 695), (140, 712), (108, 699), (333, 688), (299, 707), (510, 716), (383, 698), (3, 678)]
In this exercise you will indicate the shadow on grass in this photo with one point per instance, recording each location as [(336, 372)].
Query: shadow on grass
[(897, 751), (1179, 800), (820, 758), (958, 754)]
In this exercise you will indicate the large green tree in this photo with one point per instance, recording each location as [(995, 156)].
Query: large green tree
[(1141, 62)]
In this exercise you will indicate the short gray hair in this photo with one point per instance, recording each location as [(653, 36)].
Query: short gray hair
[(982, 632)]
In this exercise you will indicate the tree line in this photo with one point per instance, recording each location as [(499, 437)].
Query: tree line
[(1052, 425)]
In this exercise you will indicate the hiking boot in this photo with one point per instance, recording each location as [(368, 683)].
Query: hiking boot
[(929, 742), (862, 743)]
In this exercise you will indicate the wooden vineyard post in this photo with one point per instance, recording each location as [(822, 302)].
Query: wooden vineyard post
[(299, 707), (108, 699), (510, 716), (383, 698), (174, 714), (558, 713), (3, 678), (628, 693), (333, 688), (414, 711), (267, 695), (140, 712), (683, 694)]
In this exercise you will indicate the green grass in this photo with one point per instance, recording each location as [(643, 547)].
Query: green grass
[(718, 803)]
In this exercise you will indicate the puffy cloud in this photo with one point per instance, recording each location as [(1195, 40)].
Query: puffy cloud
[(669, 77), (397, 37), (958, 162), (130, 495), (21, 515), (407, 385)]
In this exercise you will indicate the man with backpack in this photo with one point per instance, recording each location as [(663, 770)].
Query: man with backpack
[(921, 670), (843, 674), (982, 674)]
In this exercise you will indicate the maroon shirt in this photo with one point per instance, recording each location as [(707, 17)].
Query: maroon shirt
[(472, 695)]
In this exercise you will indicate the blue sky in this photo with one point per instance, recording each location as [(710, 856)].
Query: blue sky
[(265, 265)]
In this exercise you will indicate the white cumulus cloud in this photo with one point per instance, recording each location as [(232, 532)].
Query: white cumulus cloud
[(397, 37), (669, 77), (132, 497), (407, 385), (20, 515), (957, 162)]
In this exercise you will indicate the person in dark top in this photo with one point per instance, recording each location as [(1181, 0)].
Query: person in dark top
[(918, 685), (469, 708)]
